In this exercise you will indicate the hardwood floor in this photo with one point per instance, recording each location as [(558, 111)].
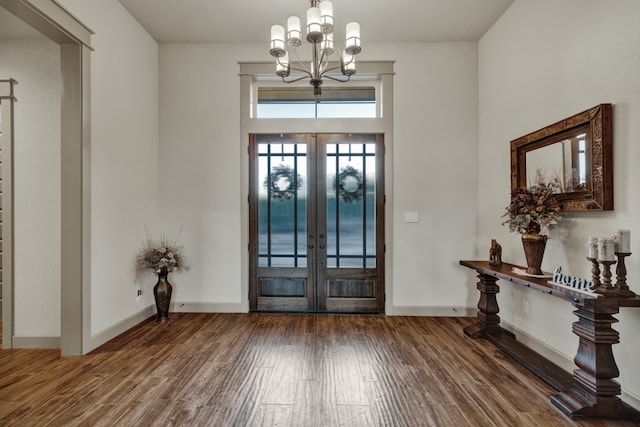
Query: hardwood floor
[(277, 369)]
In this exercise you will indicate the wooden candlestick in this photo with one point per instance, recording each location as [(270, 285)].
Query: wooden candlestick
[(621, 276), (605, 287), (595, 272)]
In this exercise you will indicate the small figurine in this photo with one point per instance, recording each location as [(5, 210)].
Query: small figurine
[(495, 254)]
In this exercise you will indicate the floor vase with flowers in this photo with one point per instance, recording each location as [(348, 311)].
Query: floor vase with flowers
[(162, 293), (534, 244)]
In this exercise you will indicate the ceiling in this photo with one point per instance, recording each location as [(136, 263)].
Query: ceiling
[(249, 21)]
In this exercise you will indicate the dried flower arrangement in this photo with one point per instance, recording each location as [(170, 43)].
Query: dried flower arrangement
[(161, 257), (533, 208)]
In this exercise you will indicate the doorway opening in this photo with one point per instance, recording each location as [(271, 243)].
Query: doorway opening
[(316, 215)]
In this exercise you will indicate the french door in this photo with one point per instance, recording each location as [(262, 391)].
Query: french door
[(316, 223)]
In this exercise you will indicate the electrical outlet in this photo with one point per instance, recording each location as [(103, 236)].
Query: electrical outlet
[(139, 292), (526, 308)]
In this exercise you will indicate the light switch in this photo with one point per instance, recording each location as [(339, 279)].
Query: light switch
[(411, 217)]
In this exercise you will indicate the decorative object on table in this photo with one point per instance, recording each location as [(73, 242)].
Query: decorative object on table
[(162, 258), (595, 272), (609, 251), (623, 250), (623, 241), (523, 272), (495, 253), (532, 209), (592, 247), (606, 257), (574, 283), (621, 276)]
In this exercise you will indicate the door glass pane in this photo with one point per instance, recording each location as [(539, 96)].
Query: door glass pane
[(350, 181), (282, 204)]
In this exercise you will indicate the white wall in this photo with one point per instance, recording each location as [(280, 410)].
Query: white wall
[(35, 63), (434, 171), (543, 61), (124, 156), (435, 110)]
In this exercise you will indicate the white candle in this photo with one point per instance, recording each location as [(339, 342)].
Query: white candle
[(592, 247), (623, 239), (606, 250)]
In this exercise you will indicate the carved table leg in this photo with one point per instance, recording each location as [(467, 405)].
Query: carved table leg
[(595, 393), (488, 319)]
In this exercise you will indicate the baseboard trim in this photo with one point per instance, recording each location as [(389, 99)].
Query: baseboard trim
[(563, 361), (26, 341), (206, 307), (113, 331), (433, 311)]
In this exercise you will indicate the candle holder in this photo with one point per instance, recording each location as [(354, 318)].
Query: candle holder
[(606, 288), (621, 276), (595, 272)]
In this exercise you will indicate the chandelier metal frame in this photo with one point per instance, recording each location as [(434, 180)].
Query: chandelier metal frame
[(319, 33)]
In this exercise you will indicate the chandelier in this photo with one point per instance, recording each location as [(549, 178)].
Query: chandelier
[(319, 33)]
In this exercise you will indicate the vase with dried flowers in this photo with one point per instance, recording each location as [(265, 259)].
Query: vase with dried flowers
[(161, 257), (533, 209)]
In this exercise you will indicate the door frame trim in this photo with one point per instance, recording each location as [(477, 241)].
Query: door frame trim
[(249, 71)]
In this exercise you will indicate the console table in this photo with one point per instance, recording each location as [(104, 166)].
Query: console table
[(591, 391)]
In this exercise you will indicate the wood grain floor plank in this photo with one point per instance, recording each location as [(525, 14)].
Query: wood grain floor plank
[(250, 369), (282, 383), (347, 379), (309, 408), (273, 415)]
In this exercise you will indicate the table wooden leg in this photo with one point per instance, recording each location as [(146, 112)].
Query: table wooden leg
[(488, 319), (595, 392)]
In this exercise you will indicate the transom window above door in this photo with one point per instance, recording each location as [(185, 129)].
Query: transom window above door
[(274, 102)]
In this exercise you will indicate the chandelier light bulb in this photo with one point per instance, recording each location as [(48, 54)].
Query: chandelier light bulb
[(352, 45), (293, 31), (277, 41), (282, 66), (314, 26), (327, 44), (326, 16), (348, 64)]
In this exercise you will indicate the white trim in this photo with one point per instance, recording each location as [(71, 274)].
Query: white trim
[(249, 71), (74, 38), (27, 341), (122, 326), (51, 19), (207, 307), (433, 311), (7, 132)]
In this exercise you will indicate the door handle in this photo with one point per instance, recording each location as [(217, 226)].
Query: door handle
[(311, 246), (321, 246)]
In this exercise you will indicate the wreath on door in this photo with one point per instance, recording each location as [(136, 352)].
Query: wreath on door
[(349, 183), (282, 182)]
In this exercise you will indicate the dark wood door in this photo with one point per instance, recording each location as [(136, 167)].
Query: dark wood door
[(316, 223)]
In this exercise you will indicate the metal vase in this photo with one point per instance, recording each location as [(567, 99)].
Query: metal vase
[(162, 293), (534, 245)]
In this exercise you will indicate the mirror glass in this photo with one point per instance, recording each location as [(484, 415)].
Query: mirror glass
[(564, 161), (576, 153)]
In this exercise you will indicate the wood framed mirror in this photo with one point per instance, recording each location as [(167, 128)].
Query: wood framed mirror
[(578, 152)]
